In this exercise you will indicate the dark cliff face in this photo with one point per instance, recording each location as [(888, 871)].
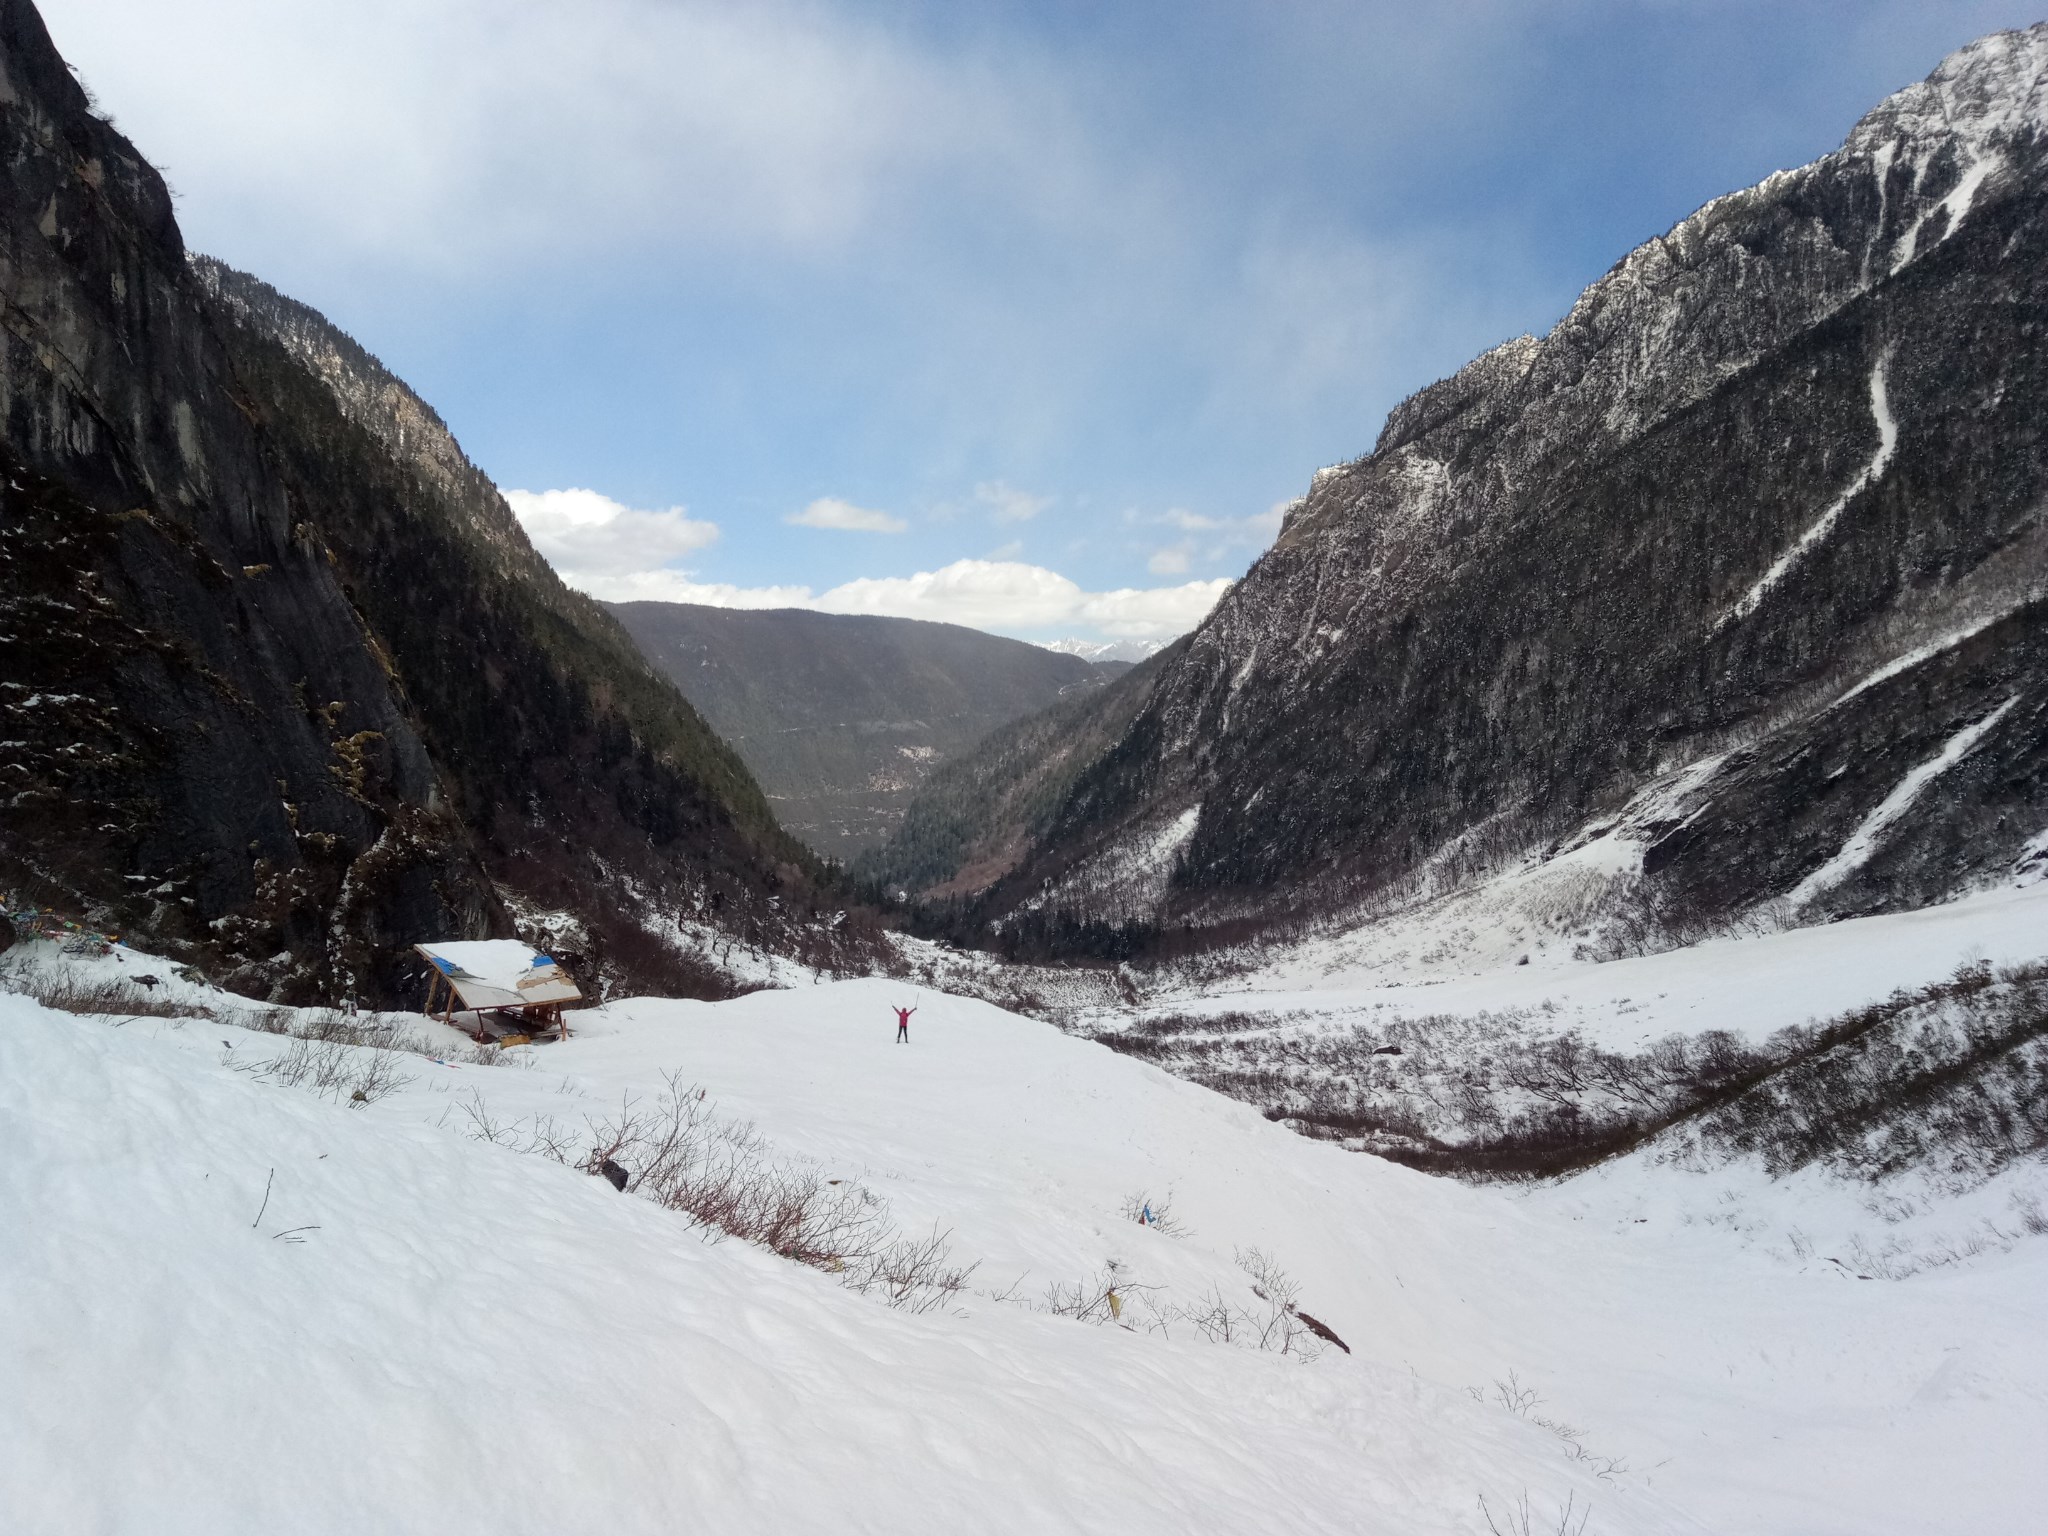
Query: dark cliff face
[(286, 689), (174, 639), (1743, 562), (843, 716)]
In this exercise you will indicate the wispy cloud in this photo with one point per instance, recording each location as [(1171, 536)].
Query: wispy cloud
[(438, 130), (778, 143), (1173, 560), (1265, 526), (831, 512), (1211, 540), (1007, 504)]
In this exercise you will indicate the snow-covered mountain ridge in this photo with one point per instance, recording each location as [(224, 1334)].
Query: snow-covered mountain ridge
[(1740, 566), (1107, 650)]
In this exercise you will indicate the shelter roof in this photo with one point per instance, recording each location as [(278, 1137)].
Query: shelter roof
[(500, 973)]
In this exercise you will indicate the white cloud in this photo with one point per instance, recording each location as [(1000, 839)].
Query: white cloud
[(831, 512), (622, 554), (589, 538), (1009, 596), (1170, 561), (683, 587), (1153, 613), (1007, 504)]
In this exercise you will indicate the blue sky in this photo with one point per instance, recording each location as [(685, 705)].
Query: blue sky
[(1025, 316)]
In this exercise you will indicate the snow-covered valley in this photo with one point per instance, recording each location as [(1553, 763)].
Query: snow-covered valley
[(1530, 1018), (1463, 956), (240, 1304)]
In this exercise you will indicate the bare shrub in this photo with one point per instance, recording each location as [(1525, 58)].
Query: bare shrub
[(1153, 1212), (120, 997), (1523, 1402), (1272, 1322), (912, 1274), (1519, 1519), (542, 1136), (1101, 1298), (1944, 1077), (2032, 1217), (65, 990), (347, 1074), (269, 1021), (1216, 1320), (351, 1058), (1276, 1323), (724, 1176)]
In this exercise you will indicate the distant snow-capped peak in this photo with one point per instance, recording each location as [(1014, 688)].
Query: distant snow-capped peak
[(1106, 650)]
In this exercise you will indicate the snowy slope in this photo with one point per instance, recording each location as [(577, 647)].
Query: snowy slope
[(1462, 956), (478, 1339), (1023, 1142), (466, 1339)]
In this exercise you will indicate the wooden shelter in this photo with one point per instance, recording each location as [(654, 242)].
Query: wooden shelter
[(503, 986)]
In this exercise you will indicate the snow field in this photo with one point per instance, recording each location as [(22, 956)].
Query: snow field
[(1453, 959), (1711, 1367), (479, 1338), (426, 1332)]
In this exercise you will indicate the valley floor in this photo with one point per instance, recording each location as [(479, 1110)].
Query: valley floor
[(1457, 957), (240, 1306)]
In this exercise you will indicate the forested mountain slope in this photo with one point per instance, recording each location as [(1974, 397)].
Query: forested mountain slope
[(287, 688), (842, 716), (969, 823), (1736, 576)]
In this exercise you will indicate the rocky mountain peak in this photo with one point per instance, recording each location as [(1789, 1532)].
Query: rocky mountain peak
[(1982, 96)]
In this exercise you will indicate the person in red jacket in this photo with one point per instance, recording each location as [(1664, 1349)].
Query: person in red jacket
[(903, 1025)]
